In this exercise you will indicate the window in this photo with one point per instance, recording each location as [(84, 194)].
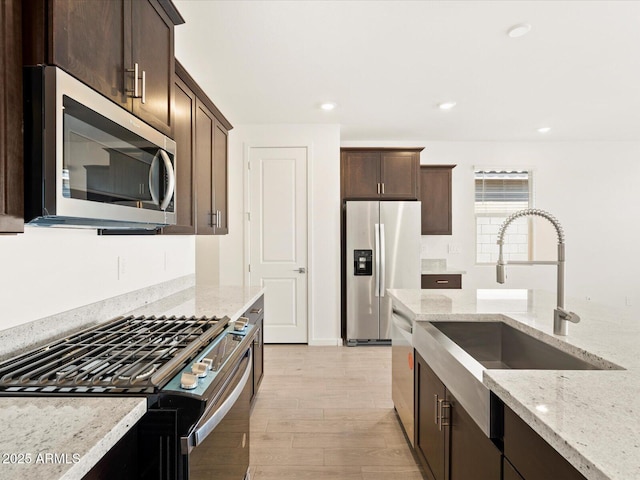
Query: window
[(498, 195)]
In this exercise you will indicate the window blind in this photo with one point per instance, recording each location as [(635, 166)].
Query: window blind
[(501, 192)]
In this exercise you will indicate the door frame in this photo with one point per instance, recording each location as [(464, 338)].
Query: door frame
[(246, 149)]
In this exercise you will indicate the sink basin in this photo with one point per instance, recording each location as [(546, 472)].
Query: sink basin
[(498, 345), (460, 352)]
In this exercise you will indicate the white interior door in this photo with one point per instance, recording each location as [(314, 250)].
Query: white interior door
[(278, 239)]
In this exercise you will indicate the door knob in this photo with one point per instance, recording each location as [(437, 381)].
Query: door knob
[(301, 270)]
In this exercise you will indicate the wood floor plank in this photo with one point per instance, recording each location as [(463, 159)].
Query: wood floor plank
[(325, 413), (307, 473)]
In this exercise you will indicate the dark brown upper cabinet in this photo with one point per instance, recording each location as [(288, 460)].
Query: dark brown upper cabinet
[(380, 174), (184, 135), (11, 148), (435, 195), (105, 44), (201, 134)]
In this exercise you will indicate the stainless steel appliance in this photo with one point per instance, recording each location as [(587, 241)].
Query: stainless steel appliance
[(89, 162), (194, 372), (402, 368), (383, 251)]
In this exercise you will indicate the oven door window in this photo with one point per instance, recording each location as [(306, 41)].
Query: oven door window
[(104, 162)]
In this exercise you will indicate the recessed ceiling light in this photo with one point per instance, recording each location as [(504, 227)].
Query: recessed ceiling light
[(519, 30), (446, 105), (544, 129), (328, 106)]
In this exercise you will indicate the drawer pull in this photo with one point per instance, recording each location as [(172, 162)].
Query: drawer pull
[(256, 310), (442, 281)]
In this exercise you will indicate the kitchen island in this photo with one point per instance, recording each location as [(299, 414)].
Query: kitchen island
[(55, 437), (590, 417)]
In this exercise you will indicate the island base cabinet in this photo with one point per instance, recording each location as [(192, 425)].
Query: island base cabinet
[(531, 455), (508, 472), (449, 444)]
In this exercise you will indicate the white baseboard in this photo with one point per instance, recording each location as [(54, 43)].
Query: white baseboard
[(325, 342)]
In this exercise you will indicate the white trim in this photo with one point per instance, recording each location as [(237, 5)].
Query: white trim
[(325, 342), (247, 146)]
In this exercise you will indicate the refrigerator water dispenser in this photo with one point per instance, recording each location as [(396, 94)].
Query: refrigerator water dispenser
[(362, 262)]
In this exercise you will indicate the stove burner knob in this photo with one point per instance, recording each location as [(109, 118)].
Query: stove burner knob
[(200, 369), (239, 324), (188, 381), (208, 362)]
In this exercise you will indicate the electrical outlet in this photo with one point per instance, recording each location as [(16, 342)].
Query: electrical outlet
[(588, 298), (628, 301), (453, 248), (122, 268)]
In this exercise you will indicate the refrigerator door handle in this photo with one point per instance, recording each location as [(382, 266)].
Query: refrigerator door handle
[(377, 255), (382, 261)]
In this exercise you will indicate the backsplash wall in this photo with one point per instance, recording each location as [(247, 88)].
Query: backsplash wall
[(47, 270)]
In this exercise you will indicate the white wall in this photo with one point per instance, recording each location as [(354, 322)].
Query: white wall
[(323, 142), (593, 188), (49, 270)]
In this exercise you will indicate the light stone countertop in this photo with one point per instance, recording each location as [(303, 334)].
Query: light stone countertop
[(89, 427), (592, 418), (61, 438)]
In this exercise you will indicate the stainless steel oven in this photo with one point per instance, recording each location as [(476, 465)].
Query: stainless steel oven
[(218, 445), (195, 372), (89, 162)]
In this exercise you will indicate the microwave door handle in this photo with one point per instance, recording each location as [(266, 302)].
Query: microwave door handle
[(172, 180), (152, 183)]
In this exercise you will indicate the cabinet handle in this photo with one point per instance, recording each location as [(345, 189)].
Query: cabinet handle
[(256, 310), (211, 214), (135, 70), (378, 185), (442, 404), (382, 183), (436, 403), (218, 220), (442, 281), (143, 97)]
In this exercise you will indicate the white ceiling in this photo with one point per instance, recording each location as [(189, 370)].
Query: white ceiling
[(387, 64)]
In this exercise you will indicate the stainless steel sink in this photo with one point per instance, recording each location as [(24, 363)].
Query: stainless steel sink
[(459, 353), (498, 345)]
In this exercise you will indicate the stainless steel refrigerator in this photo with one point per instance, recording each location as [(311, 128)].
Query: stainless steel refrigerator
[(383, 251)]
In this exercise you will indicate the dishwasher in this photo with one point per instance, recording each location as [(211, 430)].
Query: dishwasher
[(402, 368)]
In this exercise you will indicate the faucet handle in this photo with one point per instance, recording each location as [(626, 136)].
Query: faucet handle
[(560, 319), (567, 315)]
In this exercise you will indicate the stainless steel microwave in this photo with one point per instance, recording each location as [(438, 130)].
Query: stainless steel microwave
[(89, 162)]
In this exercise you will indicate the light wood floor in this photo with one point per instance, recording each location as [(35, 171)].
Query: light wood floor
[(326, 413)]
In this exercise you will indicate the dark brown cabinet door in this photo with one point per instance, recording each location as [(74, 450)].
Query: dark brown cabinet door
[(508, 472), (399, 175), (184, 134), (435, 195), (431, 436), (152, 48), (360, 175), (472, 453), (100, 42), (89, 42), (531, 455), (11, 148), (220, 165), (205, 122)]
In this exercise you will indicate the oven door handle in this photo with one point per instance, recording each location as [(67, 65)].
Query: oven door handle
[(211, 421)]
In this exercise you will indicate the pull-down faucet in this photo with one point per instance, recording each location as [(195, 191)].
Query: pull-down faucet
[(561, 317)]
